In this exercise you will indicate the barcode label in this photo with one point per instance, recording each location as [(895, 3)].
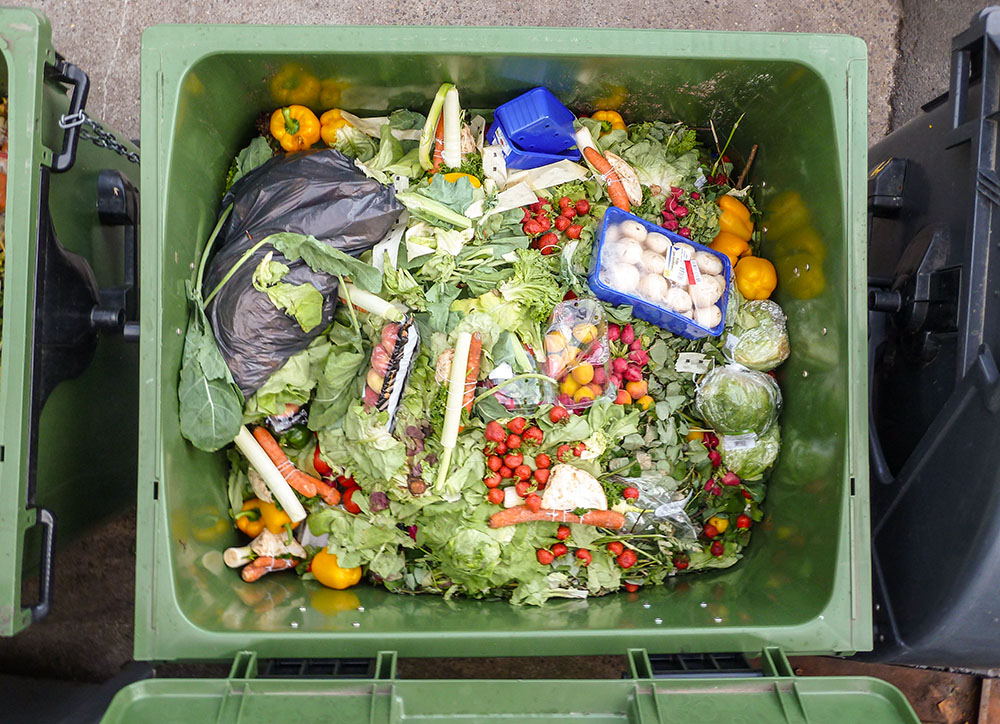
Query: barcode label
[(738, 442)]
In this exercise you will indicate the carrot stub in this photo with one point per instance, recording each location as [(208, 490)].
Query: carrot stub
[(438, 158), (304, 484), (616, 189), (259, 567), (472, 371), (524, 514)]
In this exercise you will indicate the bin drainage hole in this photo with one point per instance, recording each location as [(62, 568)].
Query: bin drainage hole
[(657, 621), (179, 332), (703, 604), (821, 617), (824, 331), (356, 624)]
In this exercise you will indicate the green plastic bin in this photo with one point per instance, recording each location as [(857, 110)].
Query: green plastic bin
[(804, 585), (67, 448)]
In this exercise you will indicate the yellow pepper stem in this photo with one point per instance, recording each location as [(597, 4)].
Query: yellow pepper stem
[(291, 124)]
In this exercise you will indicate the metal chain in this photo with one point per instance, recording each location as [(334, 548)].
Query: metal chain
[(105, 139)]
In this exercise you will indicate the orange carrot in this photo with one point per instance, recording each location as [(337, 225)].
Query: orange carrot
[(616, 189), (259, 567), (472, 371), (438, 158), (329, 493), (305, 484), (524, 514)]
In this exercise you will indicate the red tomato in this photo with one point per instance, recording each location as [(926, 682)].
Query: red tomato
[(563, 451), (631, 587), (582, 207), (710, 530), (569, 212), (545, 557), (541, 476), (532, 227), (717, 548), (522, 472), (563, 532), (630, 493), (501, 448), (616, 548), (574, 231), (542, 461), (321, 467), (513, 442), (522, 488), (559, 550), (492, 481), (517, 425), (494, 463), (558, 413), (349, 505), (495, 496), (565, 201), (494, 431), (579, 448), (506, 472), (562, 223), (512, 460), (681, 562), (627, 559), (534, 434), (743, 521), (534, 502), (584, 556)]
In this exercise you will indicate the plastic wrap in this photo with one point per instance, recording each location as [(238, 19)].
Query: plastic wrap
[(734, 400), (577, 353), (758, 338), (750, 456), (390, 365), (321, 194), (660, 503)]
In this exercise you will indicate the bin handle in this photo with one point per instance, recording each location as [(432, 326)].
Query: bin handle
[(65, 72), (48, 522)]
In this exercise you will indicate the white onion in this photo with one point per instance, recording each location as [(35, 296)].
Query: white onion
[(678, 300), (654, 263), (623, 277), (708, 263), (657, 242), (708, 317), (633, 230), (654, 288)]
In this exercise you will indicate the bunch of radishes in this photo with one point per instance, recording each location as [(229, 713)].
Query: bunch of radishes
[(537, 222), (629, 357), (675, 210)]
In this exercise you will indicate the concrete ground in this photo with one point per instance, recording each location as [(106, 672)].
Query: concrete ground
[(88, 635)]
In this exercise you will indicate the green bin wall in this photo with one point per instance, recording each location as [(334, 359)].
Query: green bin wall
[(804, 583), (87, 431)]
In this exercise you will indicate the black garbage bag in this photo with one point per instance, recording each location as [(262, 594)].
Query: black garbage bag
[(322, 194)]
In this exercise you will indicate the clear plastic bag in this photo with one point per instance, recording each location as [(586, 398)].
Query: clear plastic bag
[(734, 400), (577, 353), (750, 456), (758, 339), (660, 504), (511, 359)]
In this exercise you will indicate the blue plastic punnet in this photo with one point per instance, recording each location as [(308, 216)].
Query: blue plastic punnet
[(517, 157), (537, 122)]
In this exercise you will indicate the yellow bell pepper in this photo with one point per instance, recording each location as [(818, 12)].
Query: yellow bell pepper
[(802, 276), (453, 178), (720, 523), (293, 84), (755, 277), (208, 525), (295, 127), (616, 95), (329, 92), (735, 218), (257, 514), (330, 123), (612, 117), (802, 241), (786, 214), (327, 571), (731, 245)]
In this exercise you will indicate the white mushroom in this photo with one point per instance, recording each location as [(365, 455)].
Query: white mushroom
[(621, 276), (631, 251), (678, 300), (657, 242), (708, 317), (633, 230), (707, 293), (654, 287), (708, 263), (612, 233), (653, 262)]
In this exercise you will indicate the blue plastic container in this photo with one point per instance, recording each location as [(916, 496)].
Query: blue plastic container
[(517, 157), (652, 313), (537, 122)]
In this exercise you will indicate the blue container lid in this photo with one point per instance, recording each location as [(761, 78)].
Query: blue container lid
[(656, 314), (537, 122), (516, 157)]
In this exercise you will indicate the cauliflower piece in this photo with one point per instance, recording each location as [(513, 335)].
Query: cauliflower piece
[(570, 488), (275, 545)]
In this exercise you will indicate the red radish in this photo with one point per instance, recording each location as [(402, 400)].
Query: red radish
[(627, 559), (544, 557), (532, 227), (676, 191), (492, 481), (667, 216), (321, 467), (630, 493), (713, 487), (517, 425), (541, 476), (558, 413), (730, 478), (534, 502), (570, 294), (582, 207), (534, 434), (639, 357), (681, 212), (559, 550), (579, 448), (527, 215), (494, 463), (628, 334), (746, 494), (574, 231), (614, 331), (636, 344), (600, 376), (631, 587), (563, 452), (672, 205), (685, 232), (569, 212), (522, 472), (584, 556), (544, 221), (616, 379), (562, 223), (494, 431), (522, 488), (616, 548), (743, 521), (715, 457), (670, 224), (563, 532), (506, 473), (564, 399), (710, 530), (495, 496), (513, 442), (695, 195), (681, 562), (717, 548), (512, 460), (619, 365), (632, 373), (710, 440)]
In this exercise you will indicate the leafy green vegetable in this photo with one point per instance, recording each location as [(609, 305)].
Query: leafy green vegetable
[(303, 302), (392, 159), (325, 258), (423, 207), (751, 462), (355, 144), (532, 285), (364, 448), (757, 338), (292, 384), (406, 120), (254, 155), (736, 401)]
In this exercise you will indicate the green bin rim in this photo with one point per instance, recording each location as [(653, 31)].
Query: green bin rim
[(169, 51)]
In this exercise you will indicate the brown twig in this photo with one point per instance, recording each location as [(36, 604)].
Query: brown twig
[(746, 168)]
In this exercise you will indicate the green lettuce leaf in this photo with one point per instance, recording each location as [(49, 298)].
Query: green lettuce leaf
[(322, 257), (302, 302)]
